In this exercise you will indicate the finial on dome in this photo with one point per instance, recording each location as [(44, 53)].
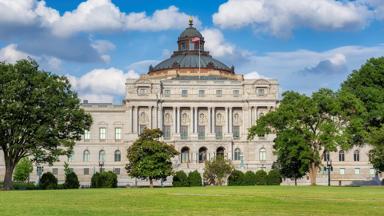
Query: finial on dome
[(190, 21)]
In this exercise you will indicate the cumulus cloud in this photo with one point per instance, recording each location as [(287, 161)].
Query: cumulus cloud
[(102, 85), (281, 17), (254, 75), (11, 54)]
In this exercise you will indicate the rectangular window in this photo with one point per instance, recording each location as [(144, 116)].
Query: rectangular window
[(372, 172), (141, 129), (86, 171), (201, 132), (357, 171), (341, 171), (87, 135), (167, 93), (219, 132), (219, 93), (142, 91), (117, 133), (102, 133), (55, 171), (184, 93), (260, 91), (236, 93), (167, 132), (116, 171), (184, 132), (201, 93), (236, 132)]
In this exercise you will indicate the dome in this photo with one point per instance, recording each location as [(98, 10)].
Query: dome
[(191, 61), (190, 32)]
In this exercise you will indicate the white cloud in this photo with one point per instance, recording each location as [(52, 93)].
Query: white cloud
[(215, 43), (11, 54), (254, 75), (280, 17), (102, 85)]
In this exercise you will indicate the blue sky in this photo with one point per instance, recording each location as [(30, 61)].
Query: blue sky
[(305, 45)]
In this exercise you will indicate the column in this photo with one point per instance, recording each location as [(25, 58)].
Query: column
[(230, 119), (156, 121), (196, 118), (243, 131), (191, 124), (160, 117), (135, 122), (129, 119), (150, 108), (174, 120), (209, 120), (226, 127), (250, 123), (178, 119)]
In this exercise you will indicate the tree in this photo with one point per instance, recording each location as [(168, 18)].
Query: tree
[(104, 180), (367, 84), (40, 115), (150, 158), (324, 121), (23, 170), (249, 178), (48, 181), (194, 179), (71, 180), (180, 179), (216, 170), (274, 177), (261, 177), (236, 178)]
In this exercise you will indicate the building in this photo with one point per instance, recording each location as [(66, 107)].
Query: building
[(204, 109)]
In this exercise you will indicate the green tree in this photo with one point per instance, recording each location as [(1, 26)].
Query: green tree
[(367, 84), (236, 178), (104, 180), (150, 158), (23, 170), (180, 179), (48, 181), (274, 177), (71, 180), (325, 121), (194, 179), (249, 178), (261, 177), (40, 115), (216, 170)]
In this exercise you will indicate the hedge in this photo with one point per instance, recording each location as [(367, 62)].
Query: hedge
[(194, 179), (104, 180), (180, 179), (274, 178), (48, 181), (261, 177), (71, 181), (236, 178)]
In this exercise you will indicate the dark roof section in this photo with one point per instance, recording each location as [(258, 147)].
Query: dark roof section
[(200, 78), (191, 61), (190, 32)]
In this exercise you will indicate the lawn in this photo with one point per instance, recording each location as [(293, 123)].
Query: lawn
[(257, 200)]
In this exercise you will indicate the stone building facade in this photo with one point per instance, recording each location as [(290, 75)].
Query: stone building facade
[(203, 108)]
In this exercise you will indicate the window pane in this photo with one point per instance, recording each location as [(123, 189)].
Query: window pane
[(201, 132), (219, 132), (184, 132), (87, 135), (102, 133), (116, 171), (86, 171), (357, 171), (236, 93), (219, 93), (142, 127), (184, 93), (167, 93), (342, 171), (117, 156), (118, 133), (167, 132), (236, 132)]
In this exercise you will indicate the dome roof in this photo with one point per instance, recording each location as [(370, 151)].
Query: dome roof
[(191, 61), (190, 32)]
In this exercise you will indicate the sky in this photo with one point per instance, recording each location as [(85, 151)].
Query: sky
[(97, 44)]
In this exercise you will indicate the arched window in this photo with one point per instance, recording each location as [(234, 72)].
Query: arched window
[(326, 156), (356, 155), (341, 155), (237, 154), (185, 155), (263, 154), (220, 152), (86, 155), (102, 155), (202, 154), (117, 155)]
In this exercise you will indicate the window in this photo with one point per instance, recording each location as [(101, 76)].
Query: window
[(260, 91), (262, 154), (102, 155), (201, 93), (86, 156), (326, 156), (356, 155), (341, 171), (184, 132), (141, 129), (142, 91), (116, 171), (184, 93), (236, 93), (102, 133), (86, 171), (118, 133), (87, 135), (219, 132), (237, 154), (167, 93), (167, 132), (219, 93), (202, 154), (357, 171), (201, 132), (185, 155), (236, 132), (117, 155), (220, 152), (372, 172), (341, 155), (183, 46), (55, 171)]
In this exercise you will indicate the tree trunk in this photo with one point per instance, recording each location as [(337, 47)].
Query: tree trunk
[(295, 181), (313, 173), (150, 182), (9, 167)]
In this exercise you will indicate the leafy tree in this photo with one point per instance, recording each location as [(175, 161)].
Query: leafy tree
[(261, 177), (104, 180), (274, 177), (180, 179), (325, 121), (23, 170), (249, 178), (40, 115), (71, 180), (367, 84), (48, 181), (194, 179), (216, 170), (150, 158), (236, 178)]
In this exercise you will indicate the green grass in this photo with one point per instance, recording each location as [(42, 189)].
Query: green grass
[(257, 200)]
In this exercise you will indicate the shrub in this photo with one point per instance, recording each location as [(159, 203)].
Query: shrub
[(236, 178), (274, 177), (104, 180), (194, 179), (48, 181), (24, 186), (71, 181), (180, 179), (22, 170), (249, 178), (261, 177)]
